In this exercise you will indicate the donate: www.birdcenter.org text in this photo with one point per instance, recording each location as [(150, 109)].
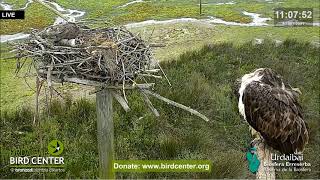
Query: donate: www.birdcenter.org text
[(162, 166)]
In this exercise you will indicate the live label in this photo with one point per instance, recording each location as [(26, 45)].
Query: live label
[(11, 14)]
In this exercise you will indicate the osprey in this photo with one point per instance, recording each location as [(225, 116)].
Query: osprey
[(271, 108)]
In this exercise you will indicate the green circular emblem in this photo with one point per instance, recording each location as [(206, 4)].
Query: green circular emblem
[(55, 147)]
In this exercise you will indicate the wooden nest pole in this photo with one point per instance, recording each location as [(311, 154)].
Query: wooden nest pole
[(265, 171), (105, 133)]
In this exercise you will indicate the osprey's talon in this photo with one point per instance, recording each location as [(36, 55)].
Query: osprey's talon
[(254, 142)]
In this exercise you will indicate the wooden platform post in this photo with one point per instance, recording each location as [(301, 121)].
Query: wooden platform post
[(105, 133), (264, 155)]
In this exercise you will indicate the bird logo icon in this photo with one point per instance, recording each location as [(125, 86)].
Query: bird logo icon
[(55, 147)]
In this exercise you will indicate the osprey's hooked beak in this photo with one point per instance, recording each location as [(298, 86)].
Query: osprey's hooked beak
[(297, 90)]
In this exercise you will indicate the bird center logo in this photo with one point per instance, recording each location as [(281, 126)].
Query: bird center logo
[(55, 147)]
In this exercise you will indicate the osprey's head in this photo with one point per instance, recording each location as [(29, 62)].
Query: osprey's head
[(266, 76), (271, 78), (246, 79), (274, 79)]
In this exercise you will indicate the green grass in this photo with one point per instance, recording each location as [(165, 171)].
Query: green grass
[(16, 92), (38, 17), (201, 79), (14, 87), (178, 39), (182, 37), (16, 3)]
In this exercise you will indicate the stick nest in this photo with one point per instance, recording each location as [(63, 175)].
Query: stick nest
[(105, 55), (102, 57)]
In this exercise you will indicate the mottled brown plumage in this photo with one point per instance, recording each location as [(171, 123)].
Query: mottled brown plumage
[(63, 31), (271, 107)]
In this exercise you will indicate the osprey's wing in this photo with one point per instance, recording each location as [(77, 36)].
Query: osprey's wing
[(277, 116)]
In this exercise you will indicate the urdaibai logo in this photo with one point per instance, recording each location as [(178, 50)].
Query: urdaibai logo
[(55, 147)]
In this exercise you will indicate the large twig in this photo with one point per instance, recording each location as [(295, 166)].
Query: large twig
[(150, 105), (192, 111), (121, 100), (99, 84)]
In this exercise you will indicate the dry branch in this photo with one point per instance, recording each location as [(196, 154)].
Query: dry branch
[(157, 45), (192, 111), (121, 100), (150, 105)]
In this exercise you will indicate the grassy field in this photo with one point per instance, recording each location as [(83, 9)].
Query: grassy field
[(182, 37), (174, 36), (153, 9), (34, 18), (201, 60), (178, 38), (201, 79)]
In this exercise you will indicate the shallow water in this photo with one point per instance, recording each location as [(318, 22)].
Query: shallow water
[(75, 14), (256, 21), (69, 13), (27, 4), (9, 7), (5, 6), (12, 37), (129, 3)]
